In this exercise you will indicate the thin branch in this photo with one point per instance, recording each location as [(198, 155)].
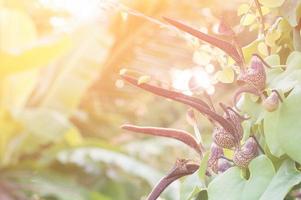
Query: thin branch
[(188, 100), (180, 135), (244, 89), (221, 44), (181, 168), (261, 17)]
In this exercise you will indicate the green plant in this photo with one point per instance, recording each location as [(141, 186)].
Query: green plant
[(265, 157)]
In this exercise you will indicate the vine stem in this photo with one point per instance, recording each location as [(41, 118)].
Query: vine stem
[(261, 17), (258, 6), (181, 168)]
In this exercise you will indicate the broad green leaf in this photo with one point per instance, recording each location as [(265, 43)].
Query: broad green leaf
[(270, 131), (250, 107), (232, 186), (291, 76), (85, 155), (286, 177), (289, 126), (271, 3), (46, 124)]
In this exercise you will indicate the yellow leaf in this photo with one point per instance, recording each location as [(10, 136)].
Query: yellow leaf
[(265, 10), (124, 15), (226, 75), (243, 9), (283, 25), (37, 56), (271, 37), (73, 137), (247, 19), (228, 153), (263, 49), (250, 49), (143, 79), (123, 71), (254, 27)]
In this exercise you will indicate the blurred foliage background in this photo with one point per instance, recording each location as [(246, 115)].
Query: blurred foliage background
[(62, 102)]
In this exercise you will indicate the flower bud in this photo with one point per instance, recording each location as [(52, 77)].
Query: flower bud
[(223, 138), (246, 153), (255, 75), (271, 103), (223, 165), (215, 153), (236, 121)]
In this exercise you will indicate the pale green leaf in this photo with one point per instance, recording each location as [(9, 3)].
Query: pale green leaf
[(286, 177), (232, 186)]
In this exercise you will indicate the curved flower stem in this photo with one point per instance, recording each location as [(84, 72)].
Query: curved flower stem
[(180, 135), (181, 168), (262, 60), (227, 108), (279, 96), (261, 16), (198, 104), (228, 159), (259, 146), (244, 89), (221, 44)]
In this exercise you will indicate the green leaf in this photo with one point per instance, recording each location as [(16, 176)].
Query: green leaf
[(232, 186), (203, 166), (286, 177), (273, 60), (249, 49), (288, 132), (243, 9), (193, 193), (45, 124), (247, 19), (291, 76), (271, 121), (271, 3)]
